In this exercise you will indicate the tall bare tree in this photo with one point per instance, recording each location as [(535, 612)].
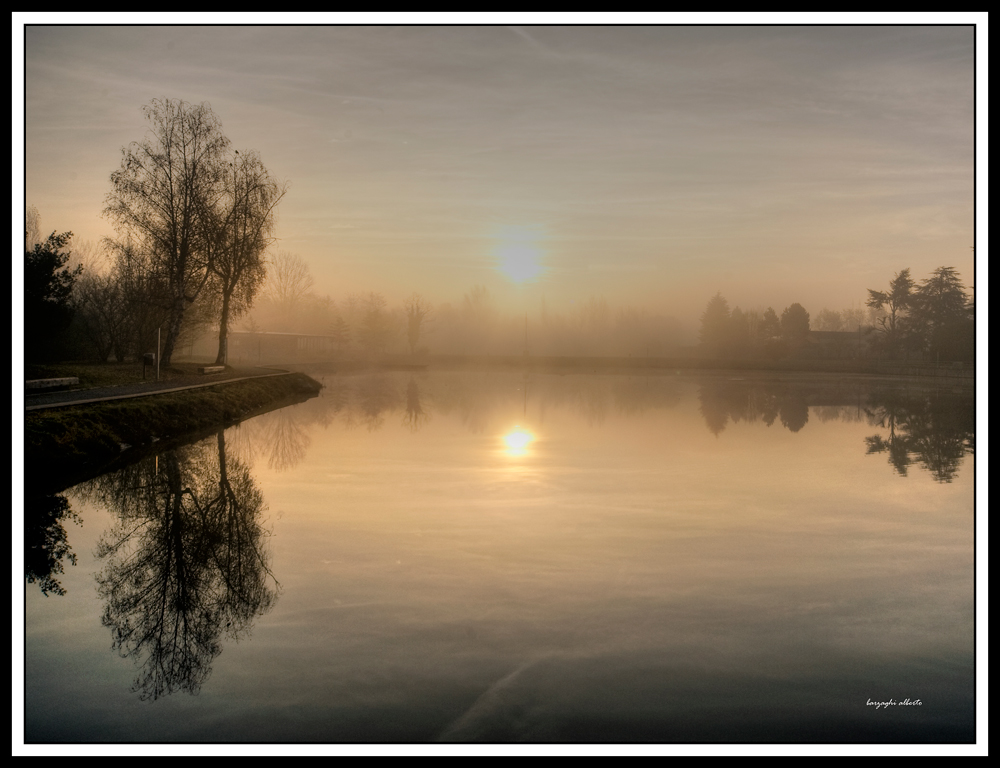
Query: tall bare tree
[(32, 228), (161, 192), (240, 231), (376, 326), (418, 313), (288, 282)]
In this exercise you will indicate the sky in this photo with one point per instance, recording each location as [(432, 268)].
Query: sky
[(651, 165)]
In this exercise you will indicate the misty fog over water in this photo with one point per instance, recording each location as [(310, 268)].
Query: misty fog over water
[(522, 557)]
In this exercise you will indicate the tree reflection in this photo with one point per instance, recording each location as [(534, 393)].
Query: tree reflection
[(284, 438), (935, 430), (415, 415), (932, 428), (185, 562), (375, 396), (738, 400), (794, 413), (45, 542)]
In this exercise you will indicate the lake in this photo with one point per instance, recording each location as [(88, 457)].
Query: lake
[(509, 557)]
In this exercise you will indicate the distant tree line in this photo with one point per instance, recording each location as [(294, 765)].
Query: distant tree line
[(366, 323), (753, 333), (933, 321)]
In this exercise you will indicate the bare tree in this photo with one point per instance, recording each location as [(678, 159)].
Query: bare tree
[(288, 283), (138, 297), (161, 192), (240, 233), (376, 327), (288, 278), (828, 320), (418, 313), (32, 228)]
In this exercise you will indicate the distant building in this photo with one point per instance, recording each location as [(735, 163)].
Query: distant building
[(248, 348)]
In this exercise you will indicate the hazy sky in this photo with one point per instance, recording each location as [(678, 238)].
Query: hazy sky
[(652, 165)]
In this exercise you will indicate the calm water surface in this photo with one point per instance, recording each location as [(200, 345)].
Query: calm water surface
[(502, 557)]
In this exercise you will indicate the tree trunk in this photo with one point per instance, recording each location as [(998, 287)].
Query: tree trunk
[(173, 330), (220, 359)]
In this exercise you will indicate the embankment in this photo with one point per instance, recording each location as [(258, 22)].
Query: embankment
[(66, 445)]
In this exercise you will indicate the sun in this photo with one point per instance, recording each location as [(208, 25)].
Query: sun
[(518, 253)]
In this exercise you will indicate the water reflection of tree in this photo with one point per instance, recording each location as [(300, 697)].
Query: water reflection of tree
[(376, 395), (791, 402), (45, 542), (283, 436), (794, 413), (933, 429), (723, 400), (415, 416), (185, 562)]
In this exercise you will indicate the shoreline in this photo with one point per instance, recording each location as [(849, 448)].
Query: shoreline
[(950, 374), (67, 445)]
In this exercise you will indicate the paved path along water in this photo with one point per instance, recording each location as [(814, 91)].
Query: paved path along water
[(144, 388)]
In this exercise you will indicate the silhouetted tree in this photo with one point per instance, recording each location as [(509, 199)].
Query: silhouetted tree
[(99, 310), (48, 296), (794, 323), (32, 228), (770, 326), (941, 315), (892, 306), (134, 301), (160, 196), (240, 225), (418, 312), (714, 333)]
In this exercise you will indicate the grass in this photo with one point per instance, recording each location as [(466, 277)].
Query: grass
[(75, 440), (106, 374)]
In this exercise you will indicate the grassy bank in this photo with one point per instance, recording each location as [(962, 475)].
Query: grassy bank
[(107, 374), (76, 441)]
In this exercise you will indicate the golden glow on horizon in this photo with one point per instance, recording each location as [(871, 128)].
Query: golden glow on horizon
[(519, 254)]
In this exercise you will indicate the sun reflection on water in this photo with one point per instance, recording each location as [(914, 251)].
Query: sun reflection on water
[(517, 441)]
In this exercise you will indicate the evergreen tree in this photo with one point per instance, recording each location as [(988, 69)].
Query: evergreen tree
[(48, 290), (714, 333), (941, 315), (891, 307)]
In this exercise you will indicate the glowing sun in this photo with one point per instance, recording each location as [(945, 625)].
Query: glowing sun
[(518, 253)]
